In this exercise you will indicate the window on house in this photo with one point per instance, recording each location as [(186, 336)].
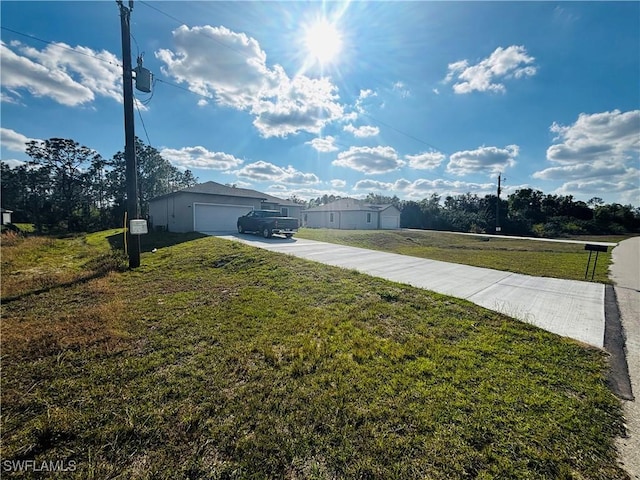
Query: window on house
[(368, 218), (305, 218), (331, 218), (284, 211)]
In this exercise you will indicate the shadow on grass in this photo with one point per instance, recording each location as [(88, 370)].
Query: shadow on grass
[(155, 240), (97, 267), (115, 260)]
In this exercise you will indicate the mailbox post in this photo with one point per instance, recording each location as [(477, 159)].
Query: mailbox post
[(591, 247)]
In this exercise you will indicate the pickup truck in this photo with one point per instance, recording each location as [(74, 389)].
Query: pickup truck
[(267, 222)]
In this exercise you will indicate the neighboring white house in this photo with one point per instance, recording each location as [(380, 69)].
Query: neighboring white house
[(212, 207), (352, 214)]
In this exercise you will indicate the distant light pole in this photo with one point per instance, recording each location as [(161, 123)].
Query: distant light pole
[(133, 241), (498, 227)]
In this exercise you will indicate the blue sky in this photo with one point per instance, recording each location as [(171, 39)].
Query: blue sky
[(398, 98)]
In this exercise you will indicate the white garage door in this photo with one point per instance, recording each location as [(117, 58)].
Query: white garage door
[(389, 222), (210, 218)]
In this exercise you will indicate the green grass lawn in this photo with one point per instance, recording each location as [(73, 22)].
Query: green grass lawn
[(218, 360), (529, 257)]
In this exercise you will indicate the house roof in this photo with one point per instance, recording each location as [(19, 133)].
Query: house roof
[(349, 204), (214, 188)]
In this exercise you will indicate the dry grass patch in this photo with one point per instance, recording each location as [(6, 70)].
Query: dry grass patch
[(35, 263)]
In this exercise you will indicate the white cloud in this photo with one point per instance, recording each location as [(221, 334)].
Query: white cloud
[(426, 160), (373, 185), (596, 155), (490, 160), (487, 75), (231, 67), (447, 187), (217, 61), (300, 104), (401, 89), (370, 160), (601, 186), (600, 136), (200, 157), (366, 93), (71, 76), (359, 105), (13, 163), (363, 131), (14, 141), (625, 189), (261, 171), (422, 188), (282, 191), (323, 144), (12, 97), (581, 171), (337, 183)]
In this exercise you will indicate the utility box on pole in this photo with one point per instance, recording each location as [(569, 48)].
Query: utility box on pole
[(143, 79)]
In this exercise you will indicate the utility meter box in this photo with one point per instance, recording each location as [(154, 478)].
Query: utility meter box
[(138, 227)]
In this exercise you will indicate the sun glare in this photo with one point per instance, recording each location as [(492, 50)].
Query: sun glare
[(323, 41)]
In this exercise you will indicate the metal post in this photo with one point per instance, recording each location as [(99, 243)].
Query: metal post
[(129, 133), (498, 229), (586, 272)]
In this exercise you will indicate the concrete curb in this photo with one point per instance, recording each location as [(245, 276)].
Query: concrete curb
[(615, 343)]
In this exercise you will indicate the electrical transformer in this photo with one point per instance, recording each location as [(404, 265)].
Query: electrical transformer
[(143, 79)]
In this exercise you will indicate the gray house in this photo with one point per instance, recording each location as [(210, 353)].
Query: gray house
[(212, 207), (352, 214)]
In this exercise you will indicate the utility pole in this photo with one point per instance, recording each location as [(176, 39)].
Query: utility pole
[(498, 227), (133, 241)]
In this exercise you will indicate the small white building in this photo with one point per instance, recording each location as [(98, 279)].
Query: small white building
[(6, 216), (352, 214)]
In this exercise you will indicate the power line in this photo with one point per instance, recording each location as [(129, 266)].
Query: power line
[(183, 88), (142, 121), (408, 135), (57, 45), (164, 13)]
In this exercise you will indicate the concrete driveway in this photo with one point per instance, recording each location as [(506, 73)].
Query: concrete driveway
[(566, 307)]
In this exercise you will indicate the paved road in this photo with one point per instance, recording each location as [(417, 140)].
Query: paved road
[(625, 272), (566, 307)]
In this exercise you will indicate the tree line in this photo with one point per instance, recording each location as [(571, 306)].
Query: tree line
[(68, 187)]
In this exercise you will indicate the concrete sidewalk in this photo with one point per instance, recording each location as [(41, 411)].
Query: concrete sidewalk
[(566, 307)]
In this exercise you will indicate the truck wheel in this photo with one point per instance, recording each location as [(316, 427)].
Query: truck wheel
[(289, 235), (266, 232), (240, 229)]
